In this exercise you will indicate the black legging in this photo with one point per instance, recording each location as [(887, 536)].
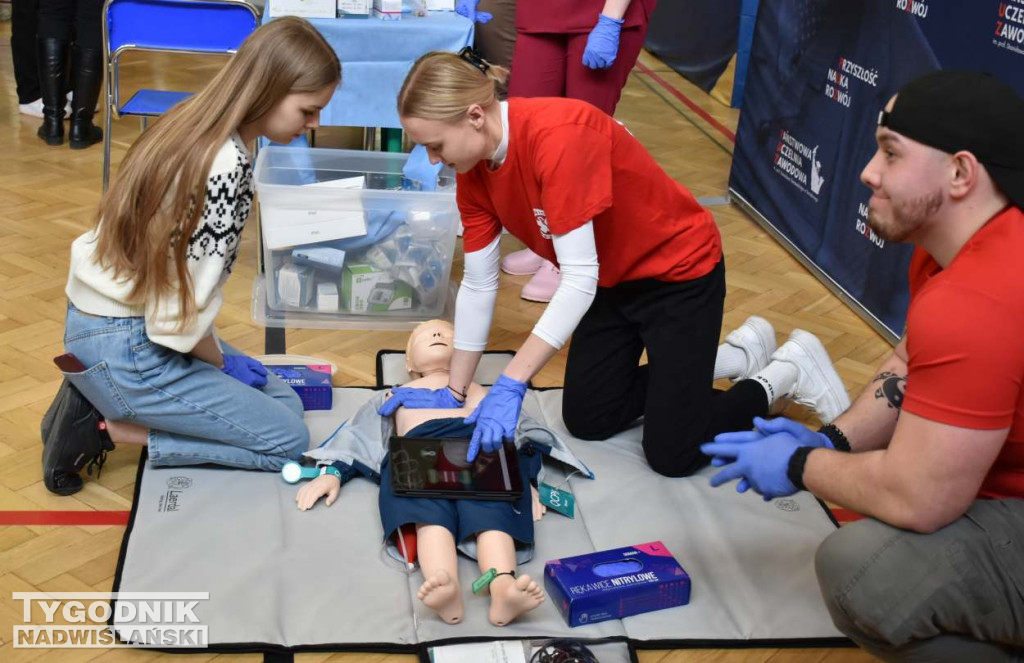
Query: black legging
[(79, 21), (24, 23), (679, 325)]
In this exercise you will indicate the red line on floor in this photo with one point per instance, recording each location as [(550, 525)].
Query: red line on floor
[(64, 517), (722, 129), (845, 515)]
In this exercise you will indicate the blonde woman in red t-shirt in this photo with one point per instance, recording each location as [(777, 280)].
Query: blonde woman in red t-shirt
[(641, 266)]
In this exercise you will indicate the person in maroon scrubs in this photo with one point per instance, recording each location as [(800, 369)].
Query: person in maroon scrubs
[(582, 49)]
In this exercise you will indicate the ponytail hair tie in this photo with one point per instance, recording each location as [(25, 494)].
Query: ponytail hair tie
[(472, 57)]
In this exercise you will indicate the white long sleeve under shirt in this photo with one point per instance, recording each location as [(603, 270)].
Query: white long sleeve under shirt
[(577, 257), (212, 250)]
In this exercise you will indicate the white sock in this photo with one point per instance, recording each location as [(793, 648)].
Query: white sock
[(730, 362), (778, 379)]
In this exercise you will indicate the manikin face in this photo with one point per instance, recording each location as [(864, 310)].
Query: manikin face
[(294, 114), (907, 180), (430, 348), (460, 145)]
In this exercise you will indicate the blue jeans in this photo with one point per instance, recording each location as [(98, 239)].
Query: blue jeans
[(195, 413)]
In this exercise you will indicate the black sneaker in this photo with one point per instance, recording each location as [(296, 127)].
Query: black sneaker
[(72, 440)]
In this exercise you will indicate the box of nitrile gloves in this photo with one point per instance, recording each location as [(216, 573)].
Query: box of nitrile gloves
[(312, 382), (611, 584)]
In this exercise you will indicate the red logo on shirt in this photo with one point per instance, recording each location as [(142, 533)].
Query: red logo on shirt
[(542, 222)]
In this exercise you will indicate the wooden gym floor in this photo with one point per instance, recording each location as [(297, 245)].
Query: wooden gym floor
[(48, 196)]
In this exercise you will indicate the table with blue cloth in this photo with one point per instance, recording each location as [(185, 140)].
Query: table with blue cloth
[(375, 57)]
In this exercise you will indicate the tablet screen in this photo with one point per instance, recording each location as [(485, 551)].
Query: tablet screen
[(437, 467)]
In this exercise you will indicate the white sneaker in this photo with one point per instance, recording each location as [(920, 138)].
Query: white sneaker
[(32, 109), (756, 337), (817, 384), (35, 108)]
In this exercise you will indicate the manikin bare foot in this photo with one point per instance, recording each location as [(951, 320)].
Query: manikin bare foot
[(513, 597), (441, 594)]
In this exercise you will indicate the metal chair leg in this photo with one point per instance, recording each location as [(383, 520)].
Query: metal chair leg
[(106, 143)]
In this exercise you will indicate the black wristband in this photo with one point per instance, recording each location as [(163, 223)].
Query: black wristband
[(836, 437), (795, 471), (457, 393)]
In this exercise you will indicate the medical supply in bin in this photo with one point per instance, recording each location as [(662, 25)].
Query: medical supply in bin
[(295, 285), (322, 257), (327, 297), (366, 288)]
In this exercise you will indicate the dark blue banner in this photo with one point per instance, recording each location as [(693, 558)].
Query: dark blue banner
[(820, 71)]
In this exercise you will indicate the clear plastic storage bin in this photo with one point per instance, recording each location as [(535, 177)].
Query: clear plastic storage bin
[(348, 242)]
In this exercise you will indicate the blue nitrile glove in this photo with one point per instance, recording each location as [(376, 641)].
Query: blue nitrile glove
[(380, 224), (740, 437), (603, 43), (763, 463), (246, 370), (765, 427), (803, 434), (497, 416), (419, 169), (419, 399), (467, 8)]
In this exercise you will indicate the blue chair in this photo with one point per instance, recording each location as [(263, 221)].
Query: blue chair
[(168, 26)]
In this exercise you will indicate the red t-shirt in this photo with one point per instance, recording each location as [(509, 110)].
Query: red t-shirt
[(568, 163), (574, 16), (965, 342)]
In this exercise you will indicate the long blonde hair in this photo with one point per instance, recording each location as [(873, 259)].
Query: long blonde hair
[(442, 86), (139, 227)]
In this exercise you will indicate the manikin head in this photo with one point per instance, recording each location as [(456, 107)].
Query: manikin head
[(430, 348), (449, 105), (944, 152)]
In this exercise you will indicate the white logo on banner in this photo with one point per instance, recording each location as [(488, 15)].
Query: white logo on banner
[(799, 164), (816, 179), (1010, 26), (918, 8), (864, 230)]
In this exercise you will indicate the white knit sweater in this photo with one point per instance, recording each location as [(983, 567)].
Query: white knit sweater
[(212, 250)]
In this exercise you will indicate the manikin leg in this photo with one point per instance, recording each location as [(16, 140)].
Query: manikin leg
[(440, 588), (510, 597)]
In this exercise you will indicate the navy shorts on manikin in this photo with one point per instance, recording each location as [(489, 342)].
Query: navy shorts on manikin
[(463, 518)]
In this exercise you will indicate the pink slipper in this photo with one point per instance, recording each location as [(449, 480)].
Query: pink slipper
[(521, 263), (541, 288)]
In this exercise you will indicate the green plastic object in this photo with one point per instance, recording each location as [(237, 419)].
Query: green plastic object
[(480, 583)]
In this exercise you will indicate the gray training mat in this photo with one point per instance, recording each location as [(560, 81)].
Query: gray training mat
[(278, 577)]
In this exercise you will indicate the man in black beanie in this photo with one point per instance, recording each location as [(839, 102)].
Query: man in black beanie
[(932, 452)]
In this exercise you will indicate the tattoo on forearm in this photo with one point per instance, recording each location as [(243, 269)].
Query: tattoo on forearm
[(891, 389)]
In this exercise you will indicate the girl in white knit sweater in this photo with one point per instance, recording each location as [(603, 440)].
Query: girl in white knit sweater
[(145, 284)]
